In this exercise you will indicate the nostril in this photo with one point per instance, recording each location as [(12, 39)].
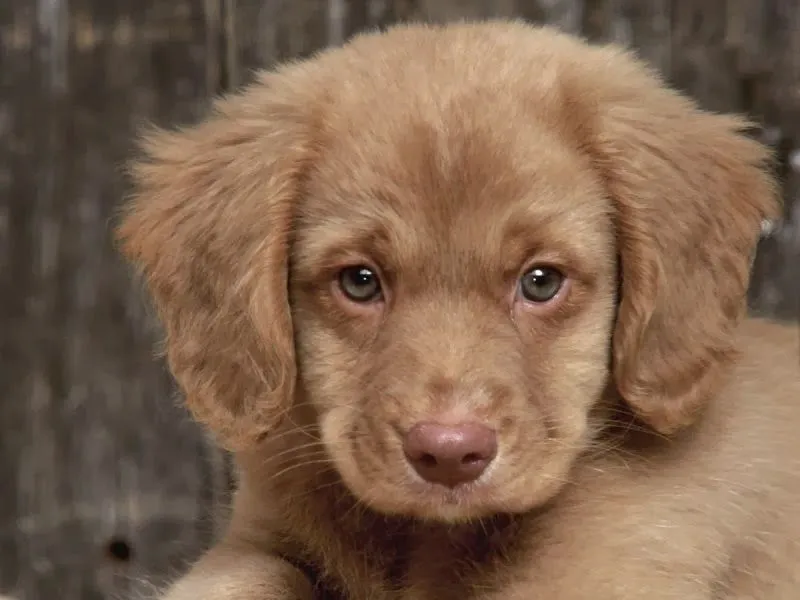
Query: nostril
[(427, 460), (471, 458)]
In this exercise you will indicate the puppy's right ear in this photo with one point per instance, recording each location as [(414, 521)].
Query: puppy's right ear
[(208, 226)]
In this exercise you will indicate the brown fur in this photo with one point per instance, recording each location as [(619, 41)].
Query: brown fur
[(647, 434)]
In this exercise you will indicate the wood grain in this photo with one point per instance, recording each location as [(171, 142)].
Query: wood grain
[(109, 481)]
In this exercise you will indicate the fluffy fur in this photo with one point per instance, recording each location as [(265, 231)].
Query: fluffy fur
[(647, 431)]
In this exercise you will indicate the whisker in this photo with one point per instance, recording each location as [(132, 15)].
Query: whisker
[(300, 465), (294, 449)]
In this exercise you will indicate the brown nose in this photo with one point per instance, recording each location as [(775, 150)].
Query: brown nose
[(450, 454)]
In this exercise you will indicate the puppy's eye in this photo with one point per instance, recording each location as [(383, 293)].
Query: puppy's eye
[(540, 284), (359, 284)]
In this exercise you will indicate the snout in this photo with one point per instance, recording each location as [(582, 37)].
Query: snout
[(450, 455)]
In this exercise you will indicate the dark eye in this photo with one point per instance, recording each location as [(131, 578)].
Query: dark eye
[(540, 284), (360, 284)]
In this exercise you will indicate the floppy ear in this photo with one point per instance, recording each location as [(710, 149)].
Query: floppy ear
[(690, 192), (208, 225)]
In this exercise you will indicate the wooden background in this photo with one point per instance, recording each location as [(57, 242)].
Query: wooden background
[(104, 482)]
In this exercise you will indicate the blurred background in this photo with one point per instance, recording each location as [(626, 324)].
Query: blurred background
[(105, 483)]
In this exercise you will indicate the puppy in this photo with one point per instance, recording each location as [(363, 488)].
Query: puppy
[(467, 304)]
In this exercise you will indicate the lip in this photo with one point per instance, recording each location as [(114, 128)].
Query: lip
[(457, 495), (436, 501)]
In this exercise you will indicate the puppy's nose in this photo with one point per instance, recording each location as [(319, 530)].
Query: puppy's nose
[(450, 454)]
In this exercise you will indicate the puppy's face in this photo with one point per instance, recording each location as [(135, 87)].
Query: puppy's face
[(452, 290), (419, 237)]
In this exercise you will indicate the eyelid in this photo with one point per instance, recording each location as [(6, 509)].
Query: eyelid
[(357, 261), (326, 267), (547, 262)]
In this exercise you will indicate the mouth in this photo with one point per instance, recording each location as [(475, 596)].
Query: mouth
[(432, 501), (462, 495)]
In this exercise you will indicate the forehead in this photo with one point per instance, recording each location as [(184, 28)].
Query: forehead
[(468, 188), (456, 172)]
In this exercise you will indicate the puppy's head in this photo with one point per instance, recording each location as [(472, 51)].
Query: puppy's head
[(450, 242)]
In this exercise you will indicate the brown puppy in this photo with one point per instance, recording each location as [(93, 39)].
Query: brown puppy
[(467, 304)]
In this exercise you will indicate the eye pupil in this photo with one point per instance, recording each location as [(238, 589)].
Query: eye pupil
[(541, 284), (359, 283)]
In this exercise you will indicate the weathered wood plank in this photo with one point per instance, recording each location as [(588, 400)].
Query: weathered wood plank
[(567, 15), (109, 481), (643, 26), (442, 11), (261, 33), (765, 37), (702, 64)]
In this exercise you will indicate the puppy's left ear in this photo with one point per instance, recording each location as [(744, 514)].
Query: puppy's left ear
[(690, 192)]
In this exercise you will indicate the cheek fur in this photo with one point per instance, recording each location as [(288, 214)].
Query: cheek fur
[(327, 366)]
